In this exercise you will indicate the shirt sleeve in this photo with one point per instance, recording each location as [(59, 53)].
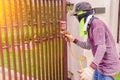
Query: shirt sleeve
[(100, 52), (99, 35), (82, 44), (99, 40)]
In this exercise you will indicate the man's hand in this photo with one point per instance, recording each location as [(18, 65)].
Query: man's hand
[(66, 35), (64, 32), (87, 74), (70, 38)]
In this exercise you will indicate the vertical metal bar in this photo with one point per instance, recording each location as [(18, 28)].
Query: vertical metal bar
[(52, 32), (6, 39), (37, 44), (64, 46), (61, 46), (58, 55), (61, 54), (57, 39), (118, 32), (45, 35), (33, 45), (64, 10), (1, 50), (12, 35), (41, 42), (28, 40), (56, 52), (48, 47), (61, 60), (18, 38), (22, 34), (54, 76), (2, 57)]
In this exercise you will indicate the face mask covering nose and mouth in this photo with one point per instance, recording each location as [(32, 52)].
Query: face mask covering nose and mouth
[(83, 18)]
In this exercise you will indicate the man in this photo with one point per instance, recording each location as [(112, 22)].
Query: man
[(106, 64)]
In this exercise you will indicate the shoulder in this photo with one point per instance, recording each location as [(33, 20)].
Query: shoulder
[(97, 23)]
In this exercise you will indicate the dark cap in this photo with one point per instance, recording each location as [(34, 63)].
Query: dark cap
[(83, 6)]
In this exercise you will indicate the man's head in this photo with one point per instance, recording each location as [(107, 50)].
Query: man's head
[(83, 10), (84, 6)]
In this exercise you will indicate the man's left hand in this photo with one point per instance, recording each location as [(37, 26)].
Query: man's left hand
[(87, 74)]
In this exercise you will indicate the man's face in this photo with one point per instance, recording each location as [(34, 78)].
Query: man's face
[(80, 15)]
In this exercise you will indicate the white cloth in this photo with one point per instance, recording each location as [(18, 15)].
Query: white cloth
[(87, 74), (87, 22)]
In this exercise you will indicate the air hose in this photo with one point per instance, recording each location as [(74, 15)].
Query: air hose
[(79, 59)]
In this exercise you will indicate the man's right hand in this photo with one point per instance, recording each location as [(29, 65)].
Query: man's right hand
[(67, 36)]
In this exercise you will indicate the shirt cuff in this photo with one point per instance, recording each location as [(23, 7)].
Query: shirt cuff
[(75, 41), (93, 65)]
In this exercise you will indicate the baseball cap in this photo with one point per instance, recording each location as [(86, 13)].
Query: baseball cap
[(85, 6)]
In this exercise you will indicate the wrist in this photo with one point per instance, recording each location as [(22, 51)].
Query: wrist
[(87, 73), (71, 38), (75, 41), (93, 65), (91, 69)]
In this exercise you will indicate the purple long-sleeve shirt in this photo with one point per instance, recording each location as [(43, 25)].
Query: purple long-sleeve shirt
[(103, 48)]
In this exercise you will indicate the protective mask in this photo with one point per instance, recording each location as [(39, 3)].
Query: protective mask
[(81, 19), (82, 16)]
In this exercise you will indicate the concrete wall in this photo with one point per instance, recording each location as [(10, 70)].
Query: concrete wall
[(110, 17)]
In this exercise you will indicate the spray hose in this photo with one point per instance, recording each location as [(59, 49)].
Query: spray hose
[(80, 59)]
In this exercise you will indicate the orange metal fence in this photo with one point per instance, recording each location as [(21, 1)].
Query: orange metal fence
[(30, 43)]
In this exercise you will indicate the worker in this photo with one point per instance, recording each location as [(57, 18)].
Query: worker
[(106, 63)]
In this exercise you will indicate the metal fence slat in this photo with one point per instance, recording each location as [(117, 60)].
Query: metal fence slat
[(18, 39), (37, 37), (27, 39), (12, 39), (6, 40), (22, 39), (33, 44)]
